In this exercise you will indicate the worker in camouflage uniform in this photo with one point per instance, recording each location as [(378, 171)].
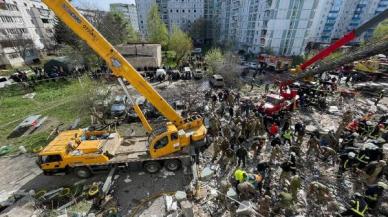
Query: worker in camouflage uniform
[(214, 125), (295, 186), (313, 146)]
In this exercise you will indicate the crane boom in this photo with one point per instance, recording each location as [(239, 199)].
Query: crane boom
[(116, 62)]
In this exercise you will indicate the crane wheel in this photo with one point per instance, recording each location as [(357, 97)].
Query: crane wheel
[(83, 172), (172, 165), (152, 166)]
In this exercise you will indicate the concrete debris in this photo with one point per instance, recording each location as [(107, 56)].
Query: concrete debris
[(187, 208), (156, 209), (232, 193), (206, 174), (29, 95), (169, 202), (127, 179), (246, 208), (180, 196)]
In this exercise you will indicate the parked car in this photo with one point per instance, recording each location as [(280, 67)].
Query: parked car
[(119, 107), (252, 65), (4, 81), (161, 74), (187, 73), (175, 74), (217, 81), (198, 74)]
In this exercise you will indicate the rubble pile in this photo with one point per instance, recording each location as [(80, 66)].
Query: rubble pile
[(313, 159)]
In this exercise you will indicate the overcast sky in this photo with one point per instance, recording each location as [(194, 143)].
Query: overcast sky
[(99, 4)]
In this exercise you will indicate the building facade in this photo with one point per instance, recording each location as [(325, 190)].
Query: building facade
[(346, 15), (129, 11), (280, 26), (26, 29), (182, 13)]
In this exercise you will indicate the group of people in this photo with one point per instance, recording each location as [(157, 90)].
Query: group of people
[(239, 132)]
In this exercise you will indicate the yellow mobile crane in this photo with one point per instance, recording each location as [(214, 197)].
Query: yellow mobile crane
[(85, 151)]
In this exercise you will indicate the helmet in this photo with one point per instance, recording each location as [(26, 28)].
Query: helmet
[(382, 185), (351, 155), (368, 123), (355, 134), (357, 194)]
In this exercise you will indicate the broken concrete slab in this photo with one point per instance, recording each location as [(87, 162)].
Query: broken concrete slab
[(232, 193), (206, 174), (180, 196), (169, 201), (156, 209), (245, 209), (187, 208)]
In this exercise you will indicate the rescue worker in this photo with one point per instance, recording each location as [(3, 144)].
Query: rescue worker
[(373, 194), (294, 186), (273, 129), (300, 131), (257, 146), (214, 125), (362, 160), (239, 177), (276, 154), (328, 155), (246, 190), (241, 154), (216, 147), (224, 187), (313, 145), (320, 192), (381, 95), (288, 136), (347, 162), (374, 170), (358, 207)]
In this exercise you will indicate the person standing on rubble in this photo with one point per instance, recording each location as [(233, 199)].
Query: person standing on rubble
[(373, 194), (295, 184), (216, 147), (313, 145), (214, 125), (242, 155), (273, 129), (358, 207), (374, 170), (300, 131), (379, 97), (257, 146), (288, 136)]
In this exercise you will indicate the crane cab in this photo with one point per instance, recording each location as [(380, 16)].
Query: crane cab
[(169, 139)]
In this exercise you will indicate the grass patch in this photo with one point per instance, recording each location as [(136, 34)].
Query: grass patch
[(62, 101)]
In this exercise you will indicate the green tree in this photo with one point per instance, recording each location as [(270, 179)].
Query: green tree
[(181, 43), (157, 30), (214, 58), (113, 26), (381, 30), (116, 29)]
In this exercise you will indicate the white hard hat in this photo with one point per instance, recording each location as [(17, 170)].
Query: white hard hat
[(351, 155)]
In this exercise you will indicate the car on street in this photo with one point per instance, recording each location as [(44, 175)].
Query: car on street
[(217, 81), (252, 65), (198, 74)]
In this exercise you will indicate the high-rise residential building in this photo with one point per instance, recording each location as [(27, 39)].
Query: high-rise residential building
[(182, 13), (346, 15), (281, 26), (129, 11), (143, 9), (26, 29)]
